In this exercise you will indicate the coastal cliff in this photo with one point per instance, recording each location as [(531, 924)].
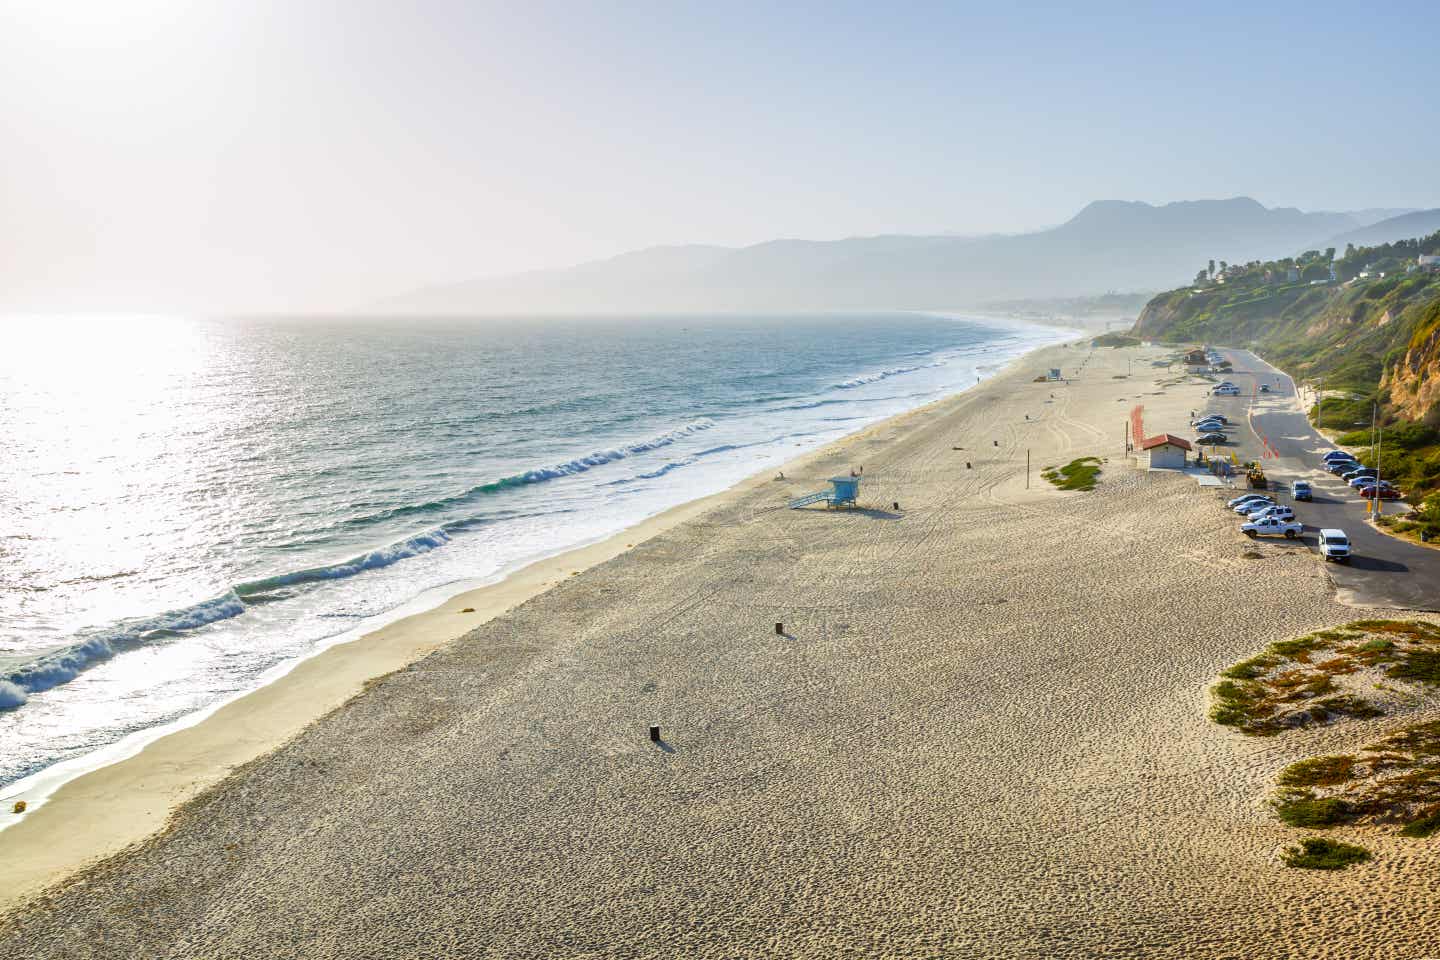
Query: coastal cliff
[(1412, 384)]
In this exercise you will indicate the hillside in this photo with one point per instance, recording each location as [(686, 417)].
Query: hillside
[(1353, 330), (1417, 223), (1372, 335), (1109, 245)]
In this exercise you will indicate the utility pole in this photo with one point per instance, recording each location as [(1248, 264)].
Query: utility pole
[(1379, 442)]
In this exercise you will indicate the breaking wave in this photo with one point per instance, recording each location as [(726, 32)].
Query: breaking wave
[(569, 468), (875, 377), (65, 664)]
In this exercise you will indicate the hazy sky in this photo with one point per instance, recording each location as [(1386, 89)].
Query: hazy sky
[(304, 155)]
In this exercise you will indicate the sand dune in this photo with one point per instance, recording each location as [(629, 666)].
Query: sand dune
[(983, 734)]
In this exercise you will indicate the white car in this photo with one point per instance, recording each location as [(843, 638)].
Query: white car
[(1272, 527), (1226, 391), (1255, 505), (1277, 512)]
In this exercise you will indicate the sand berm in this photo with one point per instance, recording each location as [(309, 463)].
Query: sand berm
[(982, 733)]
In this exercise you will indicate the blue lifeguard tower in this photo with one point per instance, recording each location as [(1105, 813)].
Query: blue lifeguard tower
[(842, 493)]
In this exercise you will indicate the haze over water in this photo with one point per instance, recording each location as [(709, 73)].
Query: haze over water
[(186, 504)]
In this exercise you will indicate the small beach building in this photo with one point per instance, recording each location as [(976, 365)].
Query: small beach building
[(1166, 452)]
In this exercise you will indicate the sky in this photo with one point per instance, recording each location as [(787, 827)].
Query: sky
[(313, 156)]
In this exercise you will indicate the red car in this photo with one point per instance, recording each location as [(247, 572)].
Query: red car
[(1384, 493)]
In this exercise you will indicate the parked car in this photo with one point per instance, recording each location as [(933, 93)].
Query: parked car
[(1211, 438), (1272, 527), (1254, 510), (1334, 545), (1358, 482), (1342, 466), (1215, 416), (1212, 422), (1255, 505), (1247, 498), (1381, 491), (1335, 455), (1300, 490), (1351, 474), (1278, 511)]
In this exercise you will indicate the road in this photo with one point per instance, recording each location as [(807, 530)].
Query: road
[(1271, 427)]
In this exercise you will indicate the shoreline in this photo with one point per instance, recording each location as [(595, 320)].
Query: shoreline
[(983, 731), (140, 781)]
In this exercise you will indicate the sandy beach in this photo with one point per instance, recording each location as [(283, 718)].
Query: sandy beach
[(982, 733)]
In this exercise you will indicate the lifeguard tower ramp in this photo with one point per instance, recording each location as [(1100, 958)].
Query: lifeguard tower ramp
[(842, 493)]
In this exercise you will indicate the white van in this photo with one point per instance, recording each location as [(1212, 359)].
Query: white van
[(1334, 545), (1226, 390)]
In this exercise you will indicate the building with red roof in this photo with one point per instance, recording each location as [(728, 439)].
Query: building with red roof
[(1167, 452)]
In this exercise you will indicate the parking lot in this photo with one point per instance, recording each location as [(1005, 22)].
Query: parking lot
[(1270, 427)]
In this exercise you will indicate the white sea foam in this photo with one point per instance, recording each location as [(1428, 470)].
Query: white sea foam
[(371, 560), (875, 377), (65, 664), (11, 695)]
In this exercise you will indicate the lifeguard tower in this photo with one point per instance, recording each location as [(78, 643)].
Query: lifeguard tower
[(842, 493)]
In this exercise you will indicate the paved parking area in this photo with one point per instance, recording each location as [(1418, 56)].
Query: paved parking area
[(1384, 571)]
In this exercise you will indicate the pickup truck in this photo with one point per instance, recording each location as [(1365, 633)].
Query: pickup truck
[(1271, 527)]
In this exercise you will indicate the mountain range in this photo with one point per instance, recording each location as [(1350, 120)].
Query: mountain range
[(1109, 245)]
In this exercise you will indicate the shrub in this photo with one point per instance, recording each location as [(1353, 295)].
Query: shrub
[(1318, 853), (1079, 474), (1301, 808), (1317, 772), (1424, 826)]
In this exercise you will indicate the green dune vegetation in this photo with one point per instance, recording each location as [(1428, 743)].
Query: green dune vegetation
[(1361, 670), (1394, 781), (1321, 853), (1081, 473), (1362, 325), (1366, 668)]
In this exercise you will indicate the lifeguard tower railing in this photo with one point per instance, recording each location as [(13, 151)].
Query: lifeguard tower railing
[(842, 493)]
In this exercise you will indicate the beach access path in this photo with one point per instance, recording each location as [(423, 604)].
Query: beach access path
[(981, 732)]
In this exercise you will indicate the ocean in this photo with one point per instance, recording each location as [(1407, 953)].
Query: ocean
[(186, 505)]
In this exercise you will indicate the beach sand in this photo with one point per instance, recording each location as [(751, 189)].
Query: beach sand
[(981, 734)]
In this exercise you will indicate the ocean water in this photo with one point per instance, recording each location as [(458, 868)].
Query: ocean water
[(186, 504)]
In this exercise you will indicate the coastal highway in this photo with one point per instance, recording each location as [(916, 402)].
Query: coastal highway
[(1271, 427)]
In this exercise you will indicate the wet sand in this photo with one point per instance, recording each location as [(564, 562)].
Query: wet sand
[(982, 734)]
